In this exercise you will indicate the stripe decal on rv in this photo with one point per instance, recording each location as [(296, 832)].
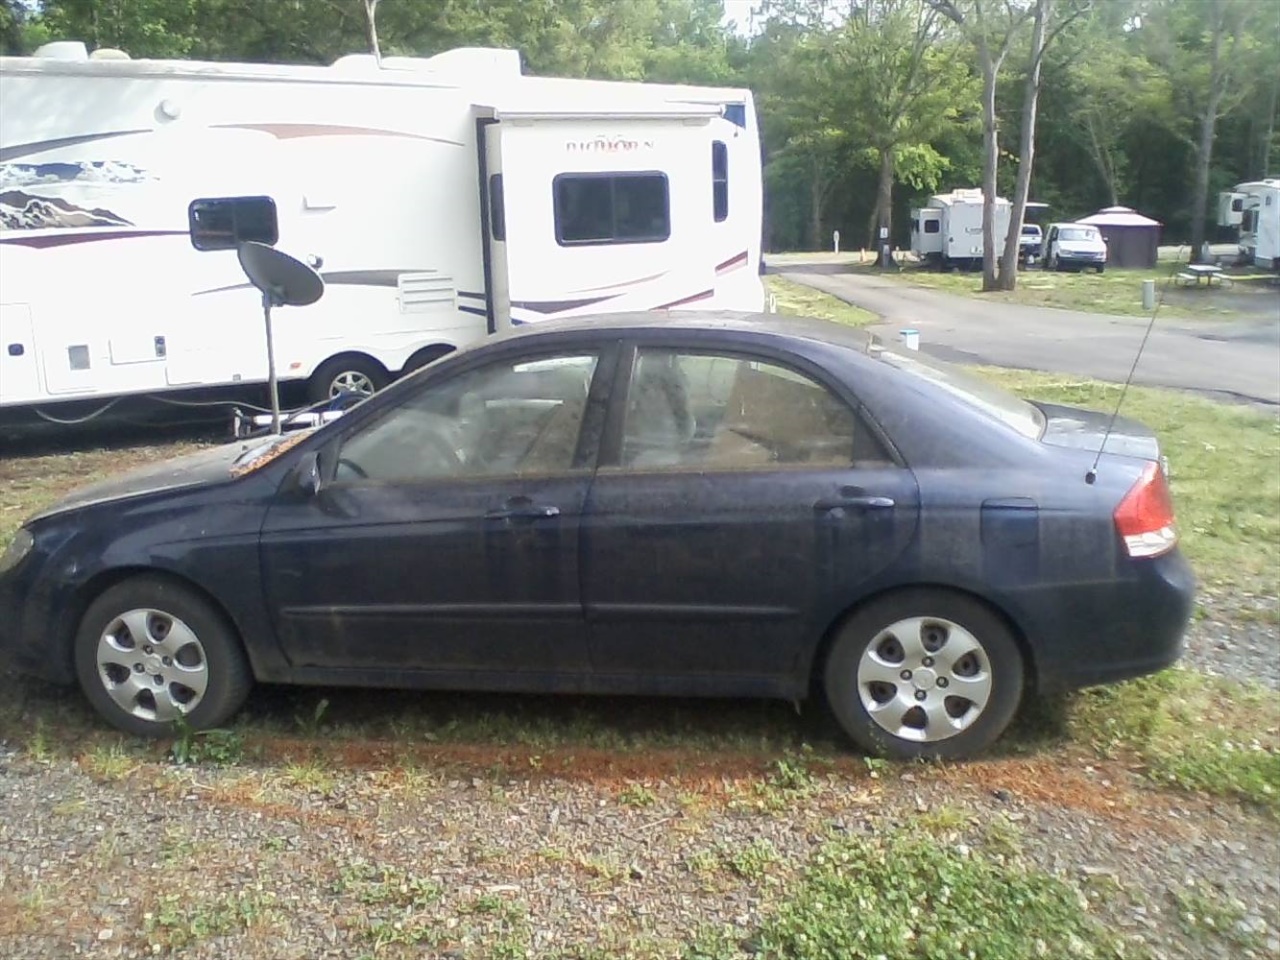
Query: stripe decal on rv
[(40, 146), (732, 263), (293, 131), (704, 295), (556, 306), (62, 238)]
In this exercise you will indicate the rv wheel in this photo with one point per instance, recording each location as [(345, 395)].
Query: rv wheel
[(348, 374)]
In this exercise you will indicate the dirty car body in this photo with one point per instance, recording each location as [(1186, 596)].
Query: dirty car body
[(719, 506)]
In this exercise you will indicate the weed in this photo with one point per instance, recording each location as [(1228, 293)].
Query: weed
[(374, 885), (944, 820), (1205, 915), (1001, 838), (311, 776), (636, 795), (309, 723), (107, 763), (751, 862), (217, 747), (178, 921), (904, 895), (1192, 731)]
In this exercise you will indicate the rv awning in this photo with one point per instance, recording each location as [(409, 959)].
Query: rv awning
[(663, 111)]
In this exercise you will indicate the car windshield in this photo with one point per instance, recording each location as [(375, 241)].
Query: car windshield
[(1079, 233), (1024, 417)]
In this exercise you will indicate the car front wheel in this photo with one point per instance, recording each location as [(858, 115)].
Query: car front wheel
[(924, 673), (151, 652)]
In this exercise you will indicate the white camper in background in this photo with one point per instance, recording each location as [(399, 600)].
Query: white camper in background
[(440, 199), (948, 230), (1254, 208)]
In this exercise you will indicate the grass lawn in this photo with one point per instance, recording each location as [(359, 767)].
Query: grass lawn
[(796, 299), (1117, 291)]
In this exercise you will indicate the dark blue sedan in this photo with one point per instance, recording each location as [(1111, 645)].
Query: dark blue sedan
[(721, 506)]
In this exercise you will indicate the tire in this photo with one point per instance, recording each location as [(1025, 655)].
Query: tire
[(896, 635), (350, 373), (425, 356), (1100, 269), (153, 629)]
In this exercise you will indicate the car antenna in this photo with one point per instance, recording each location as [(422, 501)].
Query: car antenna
[(1092, 473)]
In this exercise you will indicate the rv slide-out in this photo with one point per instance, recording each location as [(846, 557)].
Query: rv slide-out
[(441, 199)]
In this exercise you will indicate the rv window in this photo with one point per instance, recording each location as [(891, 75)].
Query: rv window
[(497, 209), (720, 180), (593, 208), (932, 226), (223, 223), (1237, 204)]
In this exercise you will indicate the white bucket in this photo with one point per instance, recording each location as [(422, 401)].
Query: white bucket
[(910, 339)]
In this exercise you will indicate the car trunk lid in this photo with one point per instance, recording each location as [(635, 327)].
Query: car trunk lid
[(1085, 430)]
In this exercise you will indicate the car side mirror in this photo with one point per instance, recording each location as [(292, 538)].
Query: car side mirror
[(307, 473)]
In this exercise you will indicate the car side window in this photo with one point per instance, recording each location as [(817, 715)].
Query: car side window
[(515, 417), (707, 411)]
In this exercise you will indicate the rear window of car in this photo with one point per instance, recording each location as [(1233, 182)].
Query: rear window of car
[(1024, 417)]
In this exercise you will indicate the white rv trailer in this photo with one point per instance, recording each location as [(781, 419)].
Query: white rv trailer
[(1254, 208), (947, 231), (440, 198)]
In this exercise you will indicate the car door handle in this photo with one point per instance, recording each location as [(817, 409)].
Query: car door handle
[(854, 503), (521, 508)]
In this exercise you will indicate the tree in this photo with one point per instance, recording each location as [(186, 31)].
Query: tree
[(893, 80), (993, 31), (1207, 50), (1111, 84)]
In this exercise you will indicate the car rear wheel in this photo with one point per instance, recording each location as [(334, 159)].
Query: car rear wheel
[(924, 673), (150, 653)]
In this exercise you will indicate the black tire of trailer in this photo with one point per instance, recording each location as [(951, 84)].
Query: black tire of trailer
[(349, 368), (425, 356)]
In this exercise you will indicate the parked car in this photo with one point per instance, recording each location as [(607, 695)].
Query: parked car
[(655, 504), (1077, 245), (1029, 242)]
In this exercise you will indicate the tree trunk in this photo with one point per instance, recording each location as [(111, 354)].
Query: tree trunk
[(884, 209), (1270, 130), (990, 157), (815, 208), (371, 12), (1008, 279), (1208, 130)]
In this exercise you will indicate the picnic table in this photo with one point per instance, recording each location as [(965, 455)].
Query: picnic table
[(1195, 274)]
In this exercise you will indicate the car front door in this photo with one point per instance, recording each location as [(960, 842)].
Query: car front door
[(445, 537), (739, 504)]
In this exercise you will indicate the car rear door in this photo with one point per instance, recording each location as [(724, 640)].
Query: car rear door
[(740, 504)]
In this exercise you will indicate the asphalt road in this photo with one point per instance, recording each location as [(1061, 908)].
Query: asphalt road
[(1237, 359)]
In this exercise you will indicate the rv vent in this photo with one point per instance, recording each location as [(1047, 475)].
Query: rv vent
[(421, 292)]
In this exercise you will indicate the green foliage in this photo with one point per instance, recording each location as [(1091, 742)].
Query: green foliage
[(908, 896), (1195, 732), (216, 747)]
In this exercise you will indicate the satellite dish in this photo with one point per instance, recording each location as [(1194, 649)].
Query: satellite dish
[(284, 282)]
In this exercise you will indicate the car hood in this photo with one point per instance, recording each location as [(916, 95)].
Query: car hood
[(219, 464), (1085, 429)]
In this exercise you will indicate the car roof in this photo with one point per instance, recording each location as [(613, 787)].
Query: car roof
[(703, 321)]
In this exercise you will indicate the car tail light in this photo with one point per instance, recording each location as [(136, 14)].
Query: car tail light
[(1145, 516)]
